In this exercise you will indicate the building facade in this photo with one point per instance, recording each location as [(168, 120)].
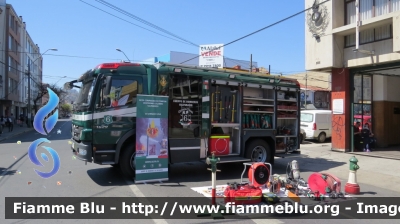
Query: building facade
[(17, 51), (315, 89), (358, 42)]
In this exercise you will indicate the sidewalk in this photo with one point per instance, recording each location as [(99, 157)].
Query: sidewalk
[(17, 131), (380, 172), (379, 153)]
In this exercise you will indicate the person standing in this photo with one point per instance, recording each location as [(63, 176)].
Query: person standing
[(357, 136), (367, 137)]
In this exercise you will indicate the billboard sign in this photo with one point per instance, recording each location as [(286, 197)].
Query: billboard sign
[(211, 56)]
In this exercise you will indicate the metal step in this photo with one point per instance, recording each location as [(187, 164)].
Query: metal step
[(230, 159)]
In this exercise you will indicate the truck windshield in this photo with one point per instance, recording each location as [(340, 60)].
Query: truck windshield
[(85, 93)]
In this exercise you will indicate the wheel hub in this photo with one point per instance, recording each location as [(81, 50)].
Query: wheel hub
[(259, 154)]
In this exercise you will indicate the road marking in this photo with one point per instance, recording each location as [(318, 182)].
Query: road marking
[(136, 191), (265, 221)]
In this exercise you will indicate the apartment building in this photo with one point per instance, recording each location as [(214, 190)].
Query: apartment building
[(17, 51), (358, 42)]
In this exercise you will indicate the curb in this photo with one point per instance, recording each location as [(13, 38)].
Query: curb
[(14, 135), (377, 156)]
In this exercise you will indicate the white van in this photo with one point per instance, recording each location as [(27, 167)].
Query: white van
[(317, 124)]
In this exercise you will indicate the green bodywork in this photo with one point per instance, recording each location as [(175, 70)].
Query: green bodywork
[(91, 123)]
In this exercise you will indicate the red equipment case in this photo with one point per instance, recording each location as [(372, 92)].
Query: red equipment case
[(219, 144), (242, 194)]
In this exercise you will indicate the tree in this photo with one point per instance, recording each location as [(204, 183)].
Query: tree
[(42, 91), (65, 109)]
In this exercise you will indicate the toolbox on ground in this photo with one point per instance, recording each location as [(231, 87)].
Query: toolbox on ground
[(242, 194)]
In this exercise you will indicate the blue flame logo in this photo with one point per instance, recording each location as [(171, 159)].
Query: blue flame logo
[(35, 160), (44, 111), (44, 128)]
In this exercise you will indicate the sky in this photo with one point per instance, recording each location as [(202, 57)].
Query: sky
[(86, 36)]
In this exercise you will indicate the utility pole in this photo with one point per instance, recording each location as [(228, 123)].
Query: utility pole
[(305, 97), (251, 63), (28, 73)]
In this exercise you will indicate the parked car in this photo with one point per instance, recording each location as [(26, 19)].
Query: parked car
[(317, 124)]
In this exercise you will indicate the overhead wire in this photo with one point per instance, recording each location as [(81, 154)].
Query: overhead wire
[(143, 21), (20, 81), (250, 34), (133, 23)]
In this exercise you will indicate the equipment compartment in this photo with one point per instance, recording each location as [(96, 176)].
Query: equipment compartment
[(258, 108)]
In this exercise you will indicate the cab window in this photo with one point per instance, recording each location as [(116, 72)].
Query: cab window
[(123, 92)]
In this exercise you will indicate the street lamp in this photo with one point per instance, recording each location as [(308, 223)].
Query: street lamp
[(28, 73), (123, 53)]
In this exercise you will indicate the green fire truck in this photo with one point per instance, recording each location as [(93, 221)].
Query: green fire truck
[(240, 116)]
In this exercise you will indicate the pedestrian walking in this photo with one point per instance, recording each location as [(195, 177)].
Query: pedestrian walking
[(13, 118), (21, 119), (10, 124), (32, 117), (2, 123)]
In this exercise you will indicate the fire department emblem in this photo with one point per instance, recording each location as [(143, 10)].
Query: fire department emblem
[(318, 18), (186, 116), (152, 131), (107, 119)]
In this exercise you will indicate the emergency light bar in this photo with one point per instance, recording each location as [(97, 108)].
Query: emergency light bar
[(177, 70), (116, 65)]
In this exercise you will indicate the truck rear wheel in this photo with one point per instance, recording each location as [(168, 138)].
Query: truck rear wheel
[(258, 151), (127, 160)]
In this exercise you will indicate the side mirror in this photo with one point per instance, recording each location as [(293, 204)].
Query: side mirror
[(68, 86), (108, 85)]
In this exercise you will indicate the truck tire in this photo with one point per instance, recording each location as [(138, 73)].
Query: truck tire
[(127, 160), (258, 151), (321, 137)]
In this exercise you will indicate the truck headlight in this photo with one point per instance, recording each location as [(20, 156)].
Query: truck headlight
[(82, 152)]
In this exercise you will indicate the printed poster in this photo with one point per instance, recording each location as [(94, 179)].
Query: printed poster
[(211, 56), (151, 138)]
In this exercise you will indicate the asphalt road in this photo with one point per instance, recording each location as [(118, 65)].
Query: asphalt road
[(75, 179)]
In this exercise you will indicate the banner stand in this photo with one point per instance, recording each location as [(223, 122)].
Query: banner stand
[(151, 139)]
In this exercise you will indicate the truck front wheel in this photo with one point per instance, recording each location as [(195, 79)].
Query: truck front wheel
[(127, 160), (258, 151)]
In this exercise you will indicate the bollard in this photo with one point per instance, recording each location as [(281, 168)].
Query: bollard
[(352, 186)]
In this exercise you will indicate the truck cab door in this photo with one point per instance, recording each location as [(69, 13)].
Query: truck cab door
[(114, 113)]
